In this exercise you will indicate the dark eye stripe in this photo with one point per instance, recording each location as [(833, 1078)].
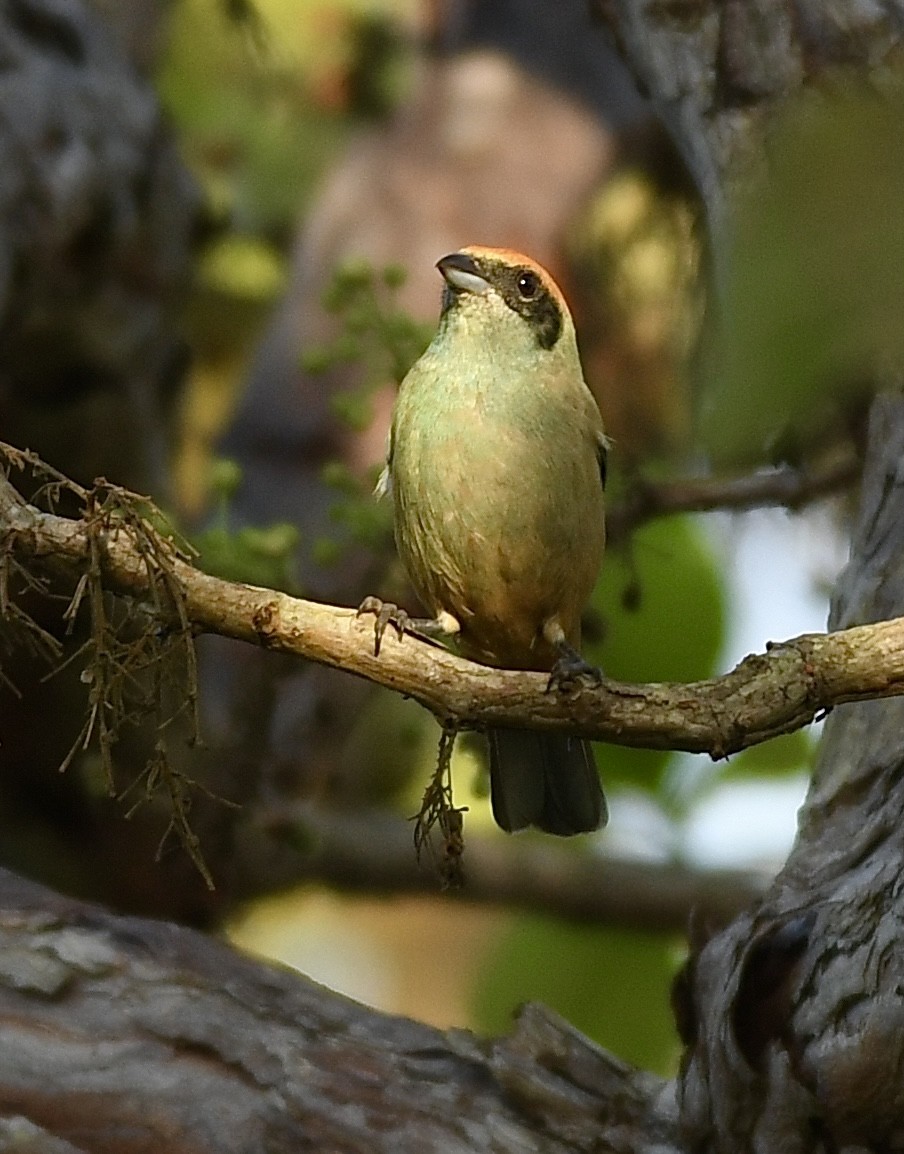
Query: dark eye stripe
[(526, 294)]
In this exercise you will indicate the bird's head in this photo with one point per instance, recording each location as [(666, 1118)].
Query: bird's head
[(508, 299)]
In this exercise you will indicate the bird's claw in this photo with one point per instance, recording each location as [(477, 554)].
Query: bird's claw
[(571, 668), (385, 614)]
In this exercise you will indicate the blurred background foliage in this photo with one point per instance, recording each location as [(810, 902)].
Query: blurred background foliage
[(265, 98), (644, 593), (264, 94), (813, 295), (613, 984)]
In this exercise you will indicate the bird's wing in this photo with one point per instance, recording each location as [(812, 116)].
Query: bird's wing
[(602, 455), (383, 487)]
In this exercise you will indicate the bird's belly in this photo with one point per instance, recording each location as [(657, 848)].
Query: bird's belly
[(502, 540)]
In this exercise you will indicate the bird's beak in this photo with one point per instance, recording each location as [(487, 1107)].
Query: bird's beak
[(462, 274)]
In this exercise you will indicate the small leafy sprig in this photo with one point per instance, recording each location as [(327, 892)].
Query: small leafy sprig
[(381, 341), (255, 554), (375, 334)]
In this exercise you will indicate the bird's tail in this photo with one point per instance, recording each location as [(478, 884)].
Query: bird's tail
[(544, 779)]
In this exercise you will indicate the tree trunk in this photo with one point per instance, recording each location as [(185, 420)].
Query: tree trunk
[(98, 218), (795, 1015), (715, 69)]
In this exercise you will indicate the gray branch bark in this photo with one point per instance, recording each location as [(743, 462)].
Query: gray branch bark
[(372, 852), (134, 1036)]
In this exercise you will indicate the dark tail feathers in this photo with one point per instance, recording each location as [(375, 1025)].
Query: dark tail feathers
[(544, 779)]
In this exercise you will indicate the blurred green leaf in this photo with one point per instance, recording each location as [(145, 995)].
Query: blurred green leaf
[(258, 556), (613, 985), (243, 266), (375, 331), (225, 479), (676, 631), (814, 293), (673, 632), (780, 757)]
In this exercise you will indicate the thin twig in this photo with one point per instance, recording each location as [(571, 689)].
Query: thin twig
[(369, 851), (784, 486)]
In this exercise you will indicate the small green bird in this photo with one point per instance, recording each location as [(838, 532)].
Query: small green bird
[(497, 463)]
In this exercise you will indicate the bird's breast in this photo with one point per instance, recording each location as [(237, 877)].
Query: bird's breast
[(498, 519)]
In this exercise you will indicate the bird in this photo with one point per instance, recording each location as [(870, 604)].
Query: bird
[(496, 467)]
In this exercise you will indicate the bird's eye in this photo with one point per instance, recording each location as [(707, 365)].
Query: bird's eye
[(528, 283)]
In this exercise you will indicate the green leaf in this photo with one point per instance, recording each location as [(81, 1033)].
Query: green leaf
[(246, 121), (259, 556), (671, 630), (243, 266)]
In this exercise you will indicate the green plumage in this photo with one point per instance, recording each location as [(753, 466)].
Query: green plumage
[(495, 475)]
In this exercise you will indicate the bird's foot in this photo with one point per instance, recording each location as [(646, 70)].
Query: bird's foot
[(571, 668), (429, 629), (385, 614)]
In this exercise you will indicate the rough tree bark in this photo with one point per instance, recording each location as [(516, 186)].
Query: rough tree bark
[(120, 1036), (793, 1016), (795, 1013)]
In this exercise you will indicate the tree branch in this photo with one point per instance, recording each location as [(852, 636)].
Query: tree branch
[(371, 852), (768, 694), (784, 486)]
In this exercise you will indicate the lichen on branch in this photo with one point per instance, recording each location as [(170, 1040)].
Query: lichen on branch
[(137, 654), (768, 694)]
